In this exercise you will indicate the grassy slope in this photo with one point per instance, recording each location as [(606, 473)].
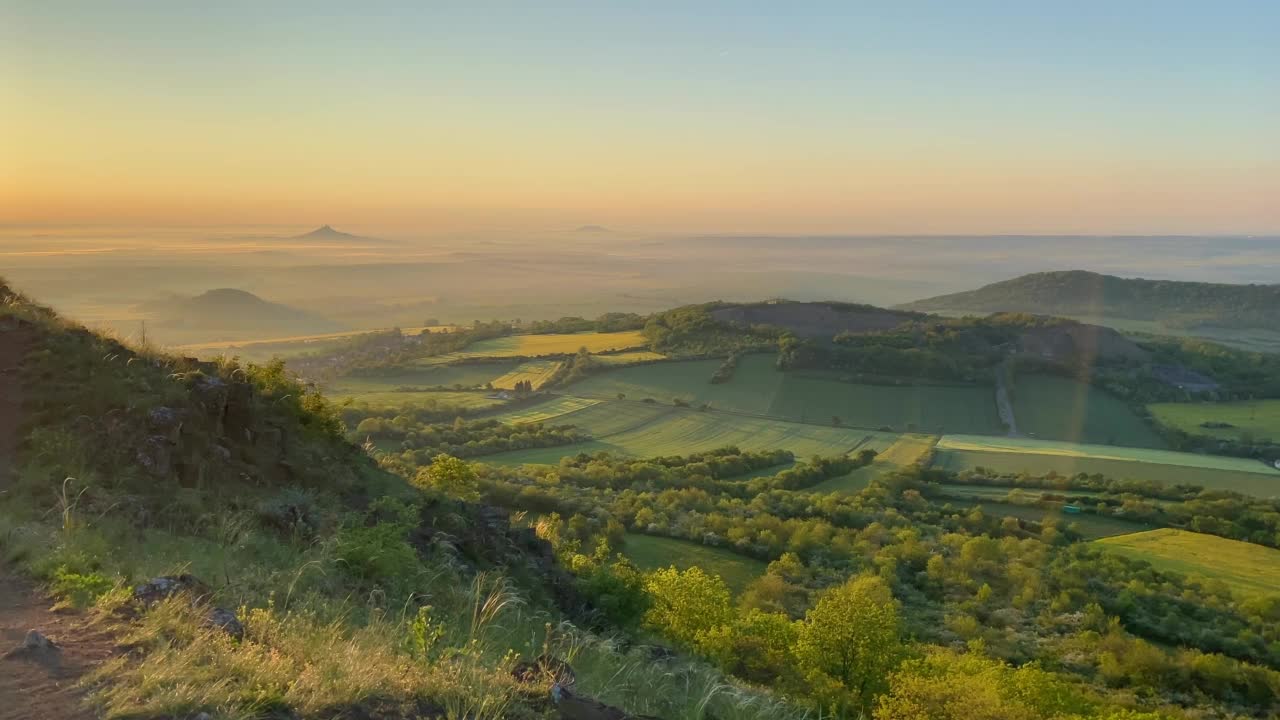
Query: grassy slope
[(1036, 457), (324, 631), (1062, 409), (1260, 418), (651, 553), (1249, 569)]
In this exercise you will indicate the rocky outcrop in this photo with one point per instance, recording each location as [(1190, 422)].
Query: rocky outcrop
[(156, 590)]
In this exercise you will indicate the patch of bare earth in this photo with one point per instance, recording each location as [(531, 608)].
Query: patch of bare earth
[(37, 678)]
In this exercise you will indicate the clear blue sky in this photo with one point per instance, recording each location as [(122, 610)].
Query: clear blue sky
[(974, 116)]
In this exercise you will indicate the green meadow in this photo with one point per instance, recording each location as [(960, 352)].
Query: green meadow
[(1259, 419), (1057, 408), (1247, 568), (1038, 457), (639, 429), (650, 553), (758, 388)]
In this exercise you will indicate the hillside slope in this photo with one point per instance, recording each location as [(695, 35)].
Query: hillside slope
[(212, 518), (1176, 304)]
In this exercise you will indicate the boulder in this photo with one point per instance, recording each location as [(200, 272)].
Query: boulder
[(161, 588), (34, 645), (166, 586), (545, 670)]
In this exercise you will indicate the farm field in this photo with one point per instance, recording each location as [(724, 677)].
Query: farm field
[(906, 450), (554, 344), (552, 409), (1259, 418), (468, 399), (422, 377), (638, 429), (1038, 457), (751, 389), (1059, 408), (630, 357), (651, 553), (537, 372), (758, 388), (1091, 526), (1247, 568)]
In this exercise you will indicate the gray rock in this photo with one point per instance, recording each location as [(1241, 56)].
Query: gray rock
[(36, 641), (166, 586), (226, 621)]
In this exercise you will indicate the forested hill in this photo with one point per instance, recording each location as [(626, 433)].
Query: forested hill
[(1174, 303)]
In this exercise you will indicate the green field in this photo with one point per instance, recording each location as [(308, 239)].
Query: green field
[(906, 450), (468, 399), (1089, 525), (1258, 418), (757, 387), (1247, 568), (1038, 457), (551, 410), (652, 553), (1059, 408), (422, 377), (537, 372), (638, 429)]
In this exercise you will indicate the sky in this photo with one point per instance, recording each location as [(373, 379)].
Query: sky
[(1110, 117)]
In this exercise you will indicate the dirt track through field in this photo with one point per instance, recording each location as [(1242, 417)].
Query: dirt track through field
[(35, 683)]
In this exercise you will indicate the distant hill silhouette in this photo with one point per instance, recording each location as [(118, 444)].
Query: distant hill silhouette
[(236, 313), (325, 233), (592, 229), (1174, 303)]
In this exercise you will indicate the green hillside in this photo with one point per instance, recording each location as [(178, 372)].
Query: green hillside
[(1081, 293)]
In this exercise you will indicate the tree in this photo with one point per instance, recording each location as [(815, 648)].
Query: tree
[(687, 605), (450, 476), (849, 643)]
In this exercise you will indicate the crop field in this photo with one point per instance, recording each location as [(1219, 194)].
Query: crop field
[(422, 377), (1092, 527), (550, 410), (630, 357), (554, 344), (757, 387), (906, 450), (537, 372), (638, 429), (1247, 568), (1058, 408), (1258, 418), (468, 399), (1038, 457), (651, 553), (753, 385)]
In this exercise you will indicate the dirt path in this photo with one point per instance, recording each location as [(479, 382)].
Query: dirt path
[(35, 682), (41, 683)]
